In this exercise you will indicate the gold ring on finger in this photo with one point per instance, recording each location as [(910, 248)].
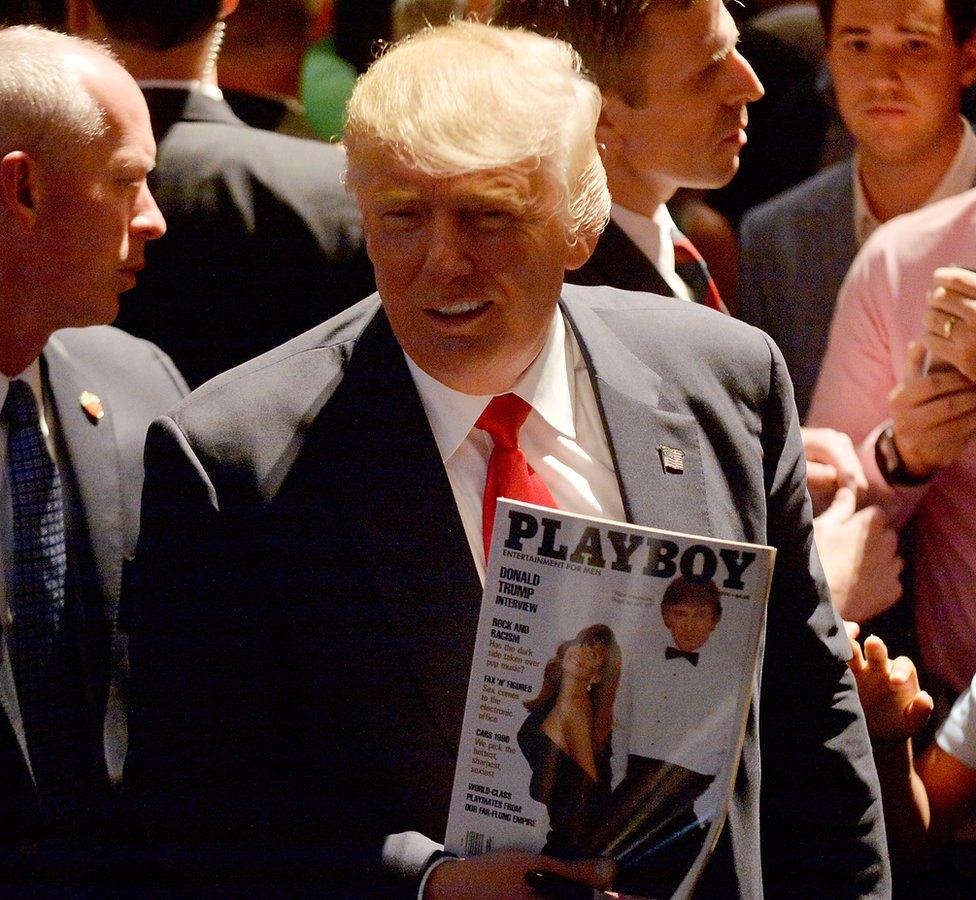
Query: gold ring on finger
[(948, 324)]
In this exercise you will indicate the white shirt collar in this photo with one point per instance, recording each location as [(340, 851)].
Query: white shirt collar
[(32, 375), (546, 385), (652, 235), (959, 177)]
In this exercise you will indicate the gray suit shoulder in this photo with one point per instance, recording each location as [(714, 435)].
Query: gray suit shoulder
[(665, 317), (215, 148), (686, 340), (282, 384), (801, 203), (120, 360)]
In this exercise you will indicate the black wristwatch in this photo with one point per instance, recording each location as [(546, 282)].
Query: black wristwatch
[(890, 463)]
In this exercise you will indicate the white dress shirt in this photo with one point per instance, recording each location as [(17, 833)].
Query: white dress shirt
[(958, 733), (562, 438), (652, 235), (564, 442), (959, 177)]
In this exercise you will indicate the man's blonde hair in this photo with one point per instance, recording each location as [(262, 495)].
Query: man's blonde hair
[(467, 97)]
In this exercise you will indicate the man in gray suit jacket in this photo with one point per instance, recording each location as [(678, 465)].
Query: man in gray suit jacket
[(300, 666), (796, 250), (263, 242), (913, 147), (75, 217)]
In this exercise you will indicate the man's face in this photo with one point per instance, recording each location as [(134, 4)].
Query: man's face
[(95, 215), (690, 623), (897, 75), (469, 268), (683, 125)]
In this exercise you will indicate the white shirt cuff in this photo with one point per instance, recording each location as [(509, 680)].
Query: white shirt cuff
[(407, 854)]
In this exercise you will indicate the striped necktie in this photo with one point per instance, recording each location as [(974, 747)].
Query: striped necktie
[(693, 271)]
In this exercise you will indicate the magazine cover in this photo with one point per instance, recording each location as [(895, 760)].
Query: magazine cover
[(609, 690)]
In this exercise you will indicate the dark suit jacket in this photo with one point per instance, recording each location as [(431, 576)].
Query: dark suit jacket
[(262, 241), (300, 662), (270, 112), (101, 470), (617, 261), (796, 250)]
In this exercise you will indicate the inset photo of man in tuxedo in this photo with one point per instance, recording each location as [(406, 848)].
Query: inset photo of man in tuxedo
[(690, 611)]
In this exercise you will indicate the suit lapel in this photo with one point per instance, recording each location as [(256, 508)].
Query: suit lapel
[(414, 549), (93, 455), (633, 403), (8, 701), (619, 262)]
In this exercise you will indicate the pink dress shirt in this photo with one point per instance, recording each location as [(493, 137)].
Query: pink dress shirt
[(879, 310)]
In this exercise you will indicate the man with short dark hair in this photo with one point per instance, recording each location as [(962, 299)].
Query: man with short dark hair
[(261, 63), (75, 218), (308, 650), (898, 69), (263, 242), (675, 91)]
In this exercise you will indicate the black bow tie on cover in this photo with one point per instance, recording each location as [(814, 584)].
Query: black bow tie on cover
[(675, 653)]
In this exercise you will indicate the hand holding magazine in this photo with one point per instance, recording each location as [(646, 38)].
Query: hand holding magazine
[(609, 689)]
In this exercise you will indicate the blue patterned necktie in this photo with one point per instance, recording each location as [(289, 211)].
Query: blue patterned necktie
[(36, 582)]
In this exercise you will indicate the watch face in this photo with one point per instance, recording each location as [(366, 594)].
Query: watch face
[(889, 450), (886, 454), (890, 463)]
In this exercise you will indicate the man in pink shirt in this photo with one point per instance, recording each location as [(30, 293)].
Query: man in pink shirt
[(914, 421)]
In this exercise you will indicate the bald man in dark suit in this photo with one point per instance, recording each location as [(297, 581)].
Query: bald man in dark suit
[(75, 217)]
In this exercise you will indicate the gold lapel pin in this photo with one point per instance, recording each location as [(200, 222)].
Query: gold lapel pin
[(672, 460), (92, 406)]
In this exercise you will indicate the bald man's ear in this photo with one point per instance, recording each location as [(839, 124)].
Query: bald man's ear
[(968, 75), (18, 187)]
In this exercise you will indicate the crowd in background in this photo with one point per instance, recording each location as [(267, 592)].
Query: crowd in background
[(846, 234)]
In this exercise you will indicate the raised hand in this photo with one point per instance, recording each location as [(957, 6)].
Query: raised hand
[(894, 705)]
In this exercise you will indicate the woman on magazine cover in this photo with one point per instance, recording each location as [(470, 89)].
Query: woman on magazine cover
[(566, 737)]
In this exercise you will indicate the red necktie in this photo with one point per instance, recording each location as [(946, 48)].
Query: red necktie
[(693, 271), (509, 474)]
